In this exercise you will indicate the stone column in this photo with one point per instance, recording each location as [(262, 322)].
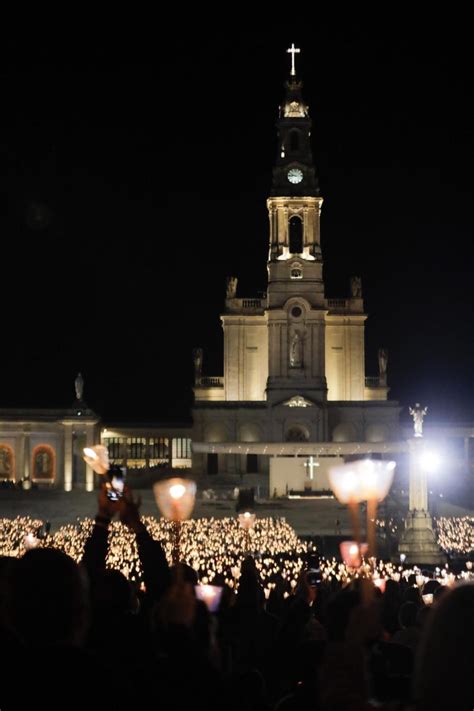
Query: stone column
[(418, 481), (67, 456), (418, 541), (23, 468), (231, 464), (90, 441)]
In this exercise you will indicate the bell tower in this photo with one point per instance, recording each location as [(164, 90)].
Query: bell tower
[(296, 306)]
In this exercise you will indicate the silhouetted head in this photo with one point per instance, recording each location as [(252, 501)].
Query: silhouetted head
[(430, 587), (48, 598), (7, 566), (412, 595), (392, 591), (184, 573), (339, 610), (248, 567), (250, 592), (114, 593), (445, 659)]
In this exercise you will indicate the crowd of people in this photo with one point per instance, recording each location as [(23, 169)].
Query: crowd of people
[(81, 633), (455, 534), (212, 547)]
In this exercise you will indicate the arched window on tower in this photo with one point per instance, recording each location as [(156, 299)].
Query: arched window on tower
[(296, 235), (294, 141)]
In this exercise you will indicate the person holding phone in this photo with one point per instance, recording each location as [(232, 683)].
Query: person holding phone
[(116, 498), (156, 573)]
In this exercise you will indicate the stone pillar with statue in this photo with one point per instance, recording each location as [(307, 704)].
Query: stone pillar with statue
[(418, 540)]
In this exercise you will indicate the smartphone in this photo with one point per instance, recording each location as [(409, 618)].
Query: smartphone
[(313, 577), (116, 482)]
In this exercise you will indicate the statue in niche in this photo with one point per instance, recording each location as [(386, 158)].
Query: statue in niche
[(5, 462), (43, 464), (79, 386), (197, 358), (296, 350), (231, 287), (383, 360), (418, 414), (356, 287)]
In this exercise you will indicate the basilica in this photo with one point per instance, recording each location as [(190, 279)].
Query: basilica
[(294, 381)]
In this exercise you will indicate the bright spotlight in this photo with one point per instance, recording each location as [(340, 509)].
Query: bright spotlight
[(430, 461)]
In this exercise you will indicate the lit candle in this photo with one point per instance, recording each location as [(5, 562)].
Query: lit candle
[(210, 594), (350, 553)]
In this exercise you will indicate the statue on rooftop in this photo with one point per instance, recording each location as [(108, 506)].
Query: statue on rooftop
[(356, 287), (231, 287), (383, 360), (79, 386), (197, 358)]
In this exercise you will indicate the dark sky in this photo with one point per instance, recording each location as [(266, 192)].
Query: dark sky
[(137, 166)]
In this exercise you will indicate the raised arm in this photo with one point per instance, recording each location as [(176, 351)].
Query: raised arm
[(95, 549), (156, 572)]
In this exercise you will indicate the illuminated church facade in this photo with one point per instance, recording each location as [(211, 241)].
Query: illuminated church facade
[(293, 397), (294, 361)]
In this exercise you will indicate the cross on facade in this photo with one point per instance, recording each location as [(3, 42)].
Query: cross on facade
[(293, 50), (311, 464)]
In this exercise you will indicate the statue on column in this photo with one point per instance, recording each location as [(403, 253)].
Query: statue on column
[(231, 287), (296, 350), (356, 287), (383, 360), (197, 358), (418, 414), (79, 386)]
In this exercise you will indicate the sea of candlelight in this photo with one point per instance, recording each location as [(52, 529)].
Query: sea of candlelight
[(215, 549)]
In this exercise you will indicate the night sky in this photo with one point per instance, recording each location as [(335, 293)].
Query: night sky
[(137, 166)]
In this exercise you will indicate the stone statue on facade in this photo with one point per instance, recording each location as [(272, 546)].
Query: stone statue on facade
[(197, 358), (79, 386), (418, 414), (383, 360), (296, 350), (356, 287), (5, 462), (231, 287), (43, 464)]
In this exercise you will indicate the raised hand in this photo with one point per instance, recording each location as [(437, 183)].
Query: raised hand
[(107, 507), (129, 509)]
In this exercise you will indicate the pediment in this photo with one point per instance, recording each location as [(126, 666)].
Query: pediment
[(298, 401)]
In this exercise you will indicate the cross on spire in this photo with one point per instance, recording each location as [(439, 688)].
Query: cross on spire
[(293, 50)]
